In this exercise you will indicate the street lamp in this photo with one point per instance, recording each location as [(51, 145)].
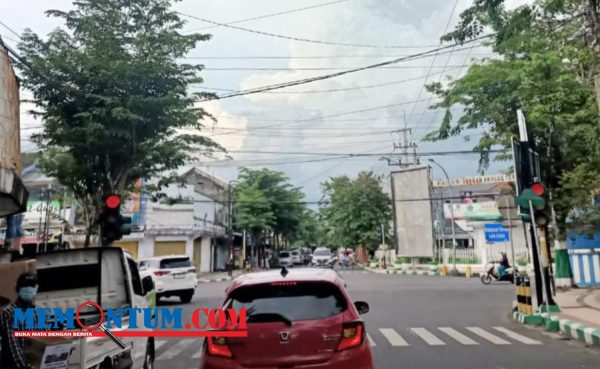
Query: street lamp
[(451, 212)]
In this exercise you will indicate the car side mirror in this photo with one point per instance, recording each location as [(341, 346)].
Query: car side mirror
[(147, 284), (362, 307)]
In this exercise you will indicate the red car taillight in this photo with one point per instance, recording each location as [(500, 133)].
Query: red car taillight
[(218, 346), (352, 335), (160, 273)]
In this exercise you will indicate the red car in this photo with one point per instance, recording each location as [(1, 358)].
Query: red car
[(298, 319)]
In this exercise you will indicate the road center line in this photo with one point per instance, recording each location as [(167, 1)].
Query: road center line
[(488, 336), (464, 340), (427, 336), (393, 337)]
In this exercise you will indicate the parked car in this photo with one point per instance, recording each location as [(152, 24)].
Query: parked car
[(284, 258), (302, 318), (296, 257), (322, 257), (173, 276)]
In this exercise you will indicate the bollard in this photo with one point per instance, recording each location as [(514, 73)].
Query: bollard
[(469, 272), (528, 300), (520, 296), (443, 270)]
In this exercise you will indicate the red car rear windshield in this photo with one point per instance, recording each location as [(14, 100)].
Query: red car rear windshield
[(294, 301)]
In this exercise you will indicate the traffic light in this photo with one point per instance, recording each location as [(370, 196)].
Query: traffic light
[(113, 226), (536, 195), (540, 211)]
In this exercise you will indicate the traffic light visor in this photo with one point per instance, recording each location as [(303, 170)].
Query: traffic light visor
[(112, 201), (538, 189)]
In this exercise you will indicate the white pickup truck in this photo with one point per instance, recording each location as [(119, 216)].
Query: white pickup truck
[(109, 277)]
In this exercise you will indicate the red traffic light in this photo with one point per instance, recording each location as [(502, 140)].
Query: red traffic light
[(538, 189), (112, 201)]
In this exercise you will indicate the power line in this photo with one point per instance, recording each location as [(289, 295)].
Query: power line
[(302, 39), (280, 57), (349, 71), (315, 68), (272, 15), (10, 29), (433, 60), (310, 153), (335, 115), (326, 91)]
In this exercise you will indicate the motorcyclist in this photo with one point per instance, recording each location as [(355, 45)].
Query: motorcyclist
[(504, 265)]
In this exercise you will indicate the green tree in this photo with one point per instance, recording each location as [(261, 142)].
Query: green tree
[(113, 97), (355, 210), (545, 68), (285, 202), (253, 211)]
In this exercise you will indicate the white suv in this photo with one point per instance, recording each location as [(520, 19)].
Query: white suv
[(173, 276)]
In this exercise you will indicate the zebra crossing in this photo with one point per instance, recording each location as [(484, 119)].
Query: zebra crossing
[(169, 349)]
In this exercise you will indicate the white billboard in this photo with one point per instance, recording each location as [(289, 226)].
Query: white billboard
[(413, 220)]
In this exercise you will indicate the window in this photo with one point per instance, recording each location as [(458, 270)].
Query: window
[(301, 301), (135, 278), (323, 252), (284, 254), (175, 263), (69, 277)]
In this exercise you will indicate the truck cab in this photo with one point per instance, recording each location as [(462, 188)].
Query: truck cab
[(109, 277)]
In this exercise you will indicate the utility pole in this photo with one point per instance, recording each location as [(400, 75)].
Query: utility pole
[(407, 148)]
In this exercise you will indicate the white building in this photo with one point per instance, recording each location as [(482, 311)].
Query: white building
[(191, 220)]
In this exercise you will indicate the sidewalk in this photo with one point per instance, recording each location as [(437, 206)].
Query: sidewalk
[(579, 316), (581, 305), (217, 276)]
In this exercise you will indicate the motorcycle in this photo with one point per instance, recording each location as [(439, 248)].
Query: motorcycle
[(490, 274)]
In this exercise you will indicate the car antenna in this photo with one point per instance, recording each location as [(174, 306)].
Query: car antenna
[(284, 271)]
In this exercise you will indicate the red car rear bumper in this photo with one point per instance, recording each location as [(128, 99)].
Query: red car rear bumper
[(355, 358)]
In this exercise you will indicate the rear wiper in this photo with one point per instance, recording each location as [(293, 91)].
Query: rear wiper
[(268, 317)]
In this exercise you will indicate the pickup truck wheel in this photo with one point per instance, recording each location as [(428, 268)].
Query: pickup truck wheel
[(149, 357)]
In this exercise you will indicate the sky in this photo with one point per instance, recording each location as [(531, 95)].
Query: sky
[(299, 129)]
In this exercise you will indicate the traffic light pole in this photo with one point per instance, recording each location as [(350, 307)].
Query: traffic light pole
[(539, 273)]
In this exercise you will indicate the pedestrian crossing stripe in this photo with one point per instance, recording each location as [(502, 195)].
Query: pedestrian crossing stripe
[(461, 338), (193, 347), (427, 336)]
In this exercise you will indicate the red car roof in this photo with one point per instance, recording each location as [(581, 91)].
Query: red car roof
[(298, 275)]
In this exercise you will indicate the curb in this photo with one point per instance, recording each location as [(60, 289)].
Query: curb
[(213, 280), (433, 273), (577, 331)]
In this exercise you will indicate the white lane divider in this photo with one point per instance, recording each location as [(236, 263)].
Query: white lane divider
[(517, 337), (488, 336), (176, 349), (371, 342), (427, 336), (461, 338), (198, 352), (393, 337)]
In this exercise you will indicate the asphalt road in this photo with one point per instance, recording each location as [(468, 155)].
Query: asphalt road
[(425, 322)]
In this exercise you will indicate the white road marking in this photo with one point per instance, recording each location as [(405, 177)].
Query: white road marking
[(371, 342), (427, 336), (176, 349), (488, 336), (393, 337), (517, 337), (158, 344), (461, 338)]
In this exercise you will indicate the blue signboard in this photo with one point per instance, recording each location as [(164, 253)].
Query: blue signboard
[(495, 232)]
